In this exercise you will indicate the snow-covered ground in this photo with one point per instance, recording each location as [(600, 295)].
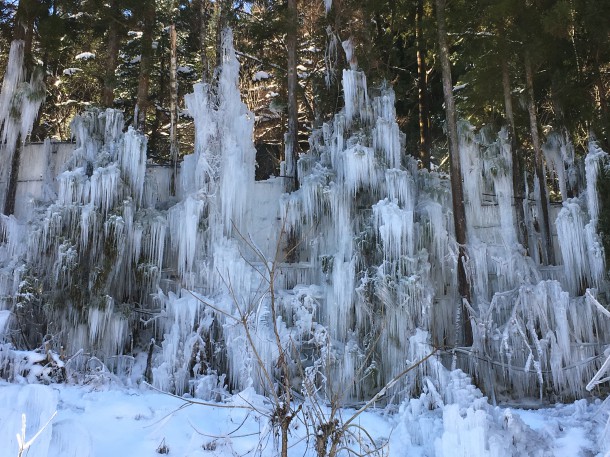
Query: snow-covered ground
[(117, 421)]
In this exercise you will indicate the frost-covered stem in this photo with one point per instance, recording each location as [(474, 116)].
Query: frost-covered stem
[(25, 445), (517, 172), (283, 409), (293, 111), (548, 253), (243, 321), (457, 191), (173, 104), (330, 429)]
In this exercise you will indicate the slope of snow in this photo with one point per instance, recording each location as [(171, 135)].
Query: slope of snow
[(98, 420)]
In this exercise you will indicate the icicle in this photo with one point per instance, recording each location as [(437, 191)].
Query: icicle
[(340, 309), (573, 244), (595, 158), (350, 56), (395, 226), (559, 153), (331, 54), (356, 97), (13, 77), (401, 188), (356, 168), (386, 140), (597, 258), (501, 169), (73, 187), (105, 190), (133, 162), (88, 225), (113, 127), (184, 225)]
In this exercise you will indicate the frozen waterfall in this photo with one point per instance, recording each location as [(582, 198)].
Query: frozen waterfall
[(352, 276)]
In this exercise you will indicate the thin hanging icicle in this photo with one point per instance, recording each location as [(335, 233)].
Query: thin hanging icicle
[(594, 159)]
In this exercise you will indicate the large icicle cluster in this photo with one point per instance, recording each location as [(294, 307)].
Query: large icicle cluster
[(375, 231), (532, 336), (93, 256)]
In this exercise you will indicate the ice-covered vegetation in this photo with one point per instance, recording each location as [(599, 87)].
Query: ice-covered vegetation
[(331, 290)]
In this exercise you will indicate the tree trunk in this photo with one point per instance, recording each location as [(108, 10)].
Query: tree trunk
[(293, 111), (113, 43), (24, 30), (173, 104), (603, 101), (545, 227), (422, 86), (11, 190), (146, 52), (457, 192), (517, 168), (203, 40), (222, 12)]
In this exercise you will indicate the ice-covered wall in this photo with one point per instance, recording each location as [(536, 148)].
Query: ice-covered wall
[(351, 278)]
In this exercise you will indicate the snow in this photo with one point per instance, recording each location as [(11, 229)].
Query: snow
[(84, 56), (260, 75), (71, 71), (99, 420), (184, 69)]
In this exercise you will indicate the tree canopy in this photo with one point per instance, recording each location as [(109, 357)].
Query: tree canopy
[(118, 54)]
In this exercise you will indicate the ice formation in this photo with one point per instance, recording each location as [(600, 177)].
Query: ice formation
[(19, 104), (351, 278)]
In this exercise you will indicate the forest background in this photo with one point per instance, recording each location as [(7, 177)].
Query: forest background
[(146, 54)]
